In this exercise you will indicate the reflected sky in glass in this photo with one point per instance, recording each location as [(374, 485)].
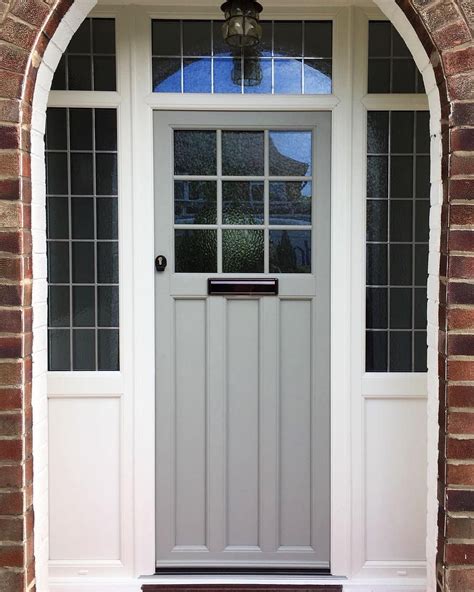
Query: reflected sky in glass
[(296, 147)]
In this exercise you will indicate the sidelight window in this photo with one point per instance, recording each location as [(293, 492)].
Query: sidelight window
[(398, 202), (82, 239)]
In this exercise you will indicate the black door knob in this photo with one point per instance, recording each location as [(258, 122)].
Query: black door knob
[(161, 263)]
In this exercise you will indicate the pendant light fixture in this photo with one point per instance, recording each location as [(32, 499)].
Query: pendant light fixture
[(242, 27)]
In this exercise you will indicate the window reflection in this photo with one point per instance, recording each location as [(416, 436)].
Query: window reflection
[(191, 57)]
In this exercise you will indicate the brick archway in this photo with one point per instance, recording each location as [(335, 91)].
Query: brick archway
[(445, 28)]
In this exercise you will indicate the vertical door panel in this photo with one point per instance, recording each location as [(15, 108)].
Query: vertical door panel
[(295, 423), (190, 422), (243, 394)]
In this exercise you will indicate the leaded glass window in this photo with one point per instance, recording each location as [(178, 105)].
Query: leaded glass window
[(391, 65), (89, 60), (294, 57), (398, 203), (82, 239)]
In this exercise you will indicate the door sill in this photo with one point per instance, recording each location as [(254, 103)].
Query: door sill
[(241, 571)]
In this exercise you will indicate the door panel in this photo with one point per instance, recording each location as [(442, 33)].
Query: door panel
[(242, 382)]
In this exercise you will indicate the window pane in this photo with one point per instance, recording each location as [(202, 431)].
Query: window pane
[(103, 36), (79, 72), (195, 153), (196, 38), (82, 218), (79, 217), (290, 251), (104, 73), (242, 251), (376, 347), (242, 202), (391, 66), (58, 218), (58, 262), (166, 38), (317, 77), (400, 351), (197, 75), (90, 54), (83, 306), (318, 39), (80, 122), (195, 251), (108, 346), (257, 76), (166, 75), (376, 265), (291, 153), (242, 153), (290, 202), (83, 349), (59, 349), (195, 202), (288, 38), (288, 77), (212, 66), (59, 306)]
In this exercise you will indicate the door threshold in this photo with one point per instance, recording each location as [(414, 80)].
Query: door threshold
[(241, 571)]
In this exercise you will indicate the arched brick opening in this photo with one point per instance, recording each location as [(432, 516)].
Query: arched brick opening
[(445, 28)]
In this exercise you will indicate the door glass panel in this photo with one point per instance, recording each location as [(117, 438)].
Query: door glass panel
[(290, 251), (254, 191), (243, 251), (195, 202), (195, 152), (290, 202), (290, 154), (242, 153), (242, 202), (195, 251)]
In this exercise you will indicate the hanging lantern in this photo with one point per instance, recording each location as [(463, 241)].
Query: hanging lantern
[(251, 75), (241, 27)]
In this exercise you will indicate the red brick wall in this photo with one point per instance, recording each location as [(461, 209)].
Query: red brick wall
[(445, 28)]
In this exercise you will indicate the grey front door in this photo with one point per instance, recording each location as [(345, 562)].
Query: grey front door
[(242, 473)]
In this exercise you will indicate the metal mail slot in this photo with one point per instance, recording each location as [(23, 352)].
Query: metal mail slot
[(242, 287)]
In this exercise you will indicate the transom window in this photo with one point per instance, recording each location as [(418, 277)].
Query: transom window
[(294, 57)]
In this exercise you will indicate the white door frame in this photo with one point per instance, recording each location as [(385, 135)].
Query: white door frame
[(135, 384), (143, 248)]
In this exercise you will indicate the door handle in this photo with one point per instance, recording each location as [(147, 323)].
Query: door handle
[(160, 263)]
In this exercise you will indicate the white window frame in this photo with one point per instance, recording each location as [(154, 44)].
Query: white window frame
[(134, 384)]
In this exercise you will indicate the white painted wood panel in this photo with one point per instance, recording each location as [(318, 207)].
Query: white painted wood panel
[(84, 485), (395, 479)]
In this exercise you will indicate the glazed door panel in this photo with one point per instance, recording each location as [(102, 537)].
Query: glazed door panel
[(242, 389)]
